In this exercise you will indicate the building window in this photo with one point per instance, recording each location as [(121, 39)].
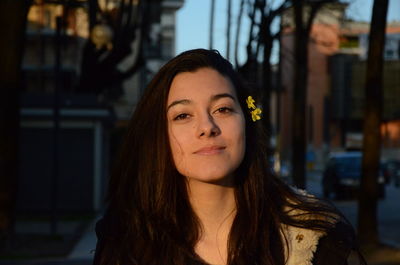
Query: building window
[(389, 54), (349, 42)]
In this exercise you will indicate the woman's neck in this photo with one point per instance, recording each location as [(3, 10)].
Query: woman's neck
[(215, 207)]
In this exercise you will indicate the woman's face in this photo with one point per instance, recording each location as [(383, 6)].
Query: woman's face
[(206, 126)]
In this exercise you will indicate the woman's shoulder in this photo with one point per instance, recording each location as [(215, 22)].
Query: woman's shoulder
[(336, 246), (108, 234), (107, 226), (300, 244), (310, 246), (307, 207)]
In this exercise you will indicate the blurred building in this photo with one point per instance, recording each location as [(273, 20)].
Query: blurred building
[(337, 64), (40, 48), (80, 123), (346, 98), (163, 42)]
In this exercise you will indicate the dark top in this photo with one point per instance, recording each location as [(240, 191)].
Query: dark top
[(333, 249), (336, 246)]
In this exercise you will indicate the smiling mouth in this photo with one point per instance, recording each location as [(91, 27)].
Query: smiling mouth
[(211, 150)]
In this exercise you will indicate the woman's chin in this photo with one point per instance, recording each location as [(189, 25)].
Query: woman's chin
[(221, 180)]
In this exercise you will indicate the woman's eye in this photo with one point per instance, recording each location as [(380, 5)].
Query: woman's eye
[(181, 116), (224, 110)]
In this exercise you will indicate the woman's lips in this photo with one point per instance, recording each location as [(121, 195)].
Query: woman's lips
[(210, 150)]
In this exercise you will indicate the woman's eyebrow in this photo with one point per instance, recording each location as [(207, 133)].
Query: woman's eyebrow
[(181, 101), (213, 98), (223, 95)]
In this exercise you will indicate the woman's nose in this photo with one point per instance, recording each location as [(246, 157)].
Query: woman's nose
[(207, 127)]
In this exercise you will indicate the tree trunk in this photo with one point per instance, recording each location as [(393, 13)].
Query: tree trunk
[(367, 215), (299, 140), (13, 18), (299, 98), (228, 30), (261, 17), (212, 14), (267, 86), (93, 7), (239, 23)]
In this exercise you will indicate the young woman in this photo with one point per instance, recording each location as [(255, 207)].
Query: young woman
[(194, 186)]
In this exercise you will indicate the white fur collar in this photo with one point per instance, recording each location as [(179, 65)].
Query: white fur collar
[(302, 245), (302, 242)]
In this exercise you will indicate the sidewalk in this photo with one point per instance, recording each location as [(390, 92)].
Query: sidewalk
[(389, 227), (35, 244), (86, 246)]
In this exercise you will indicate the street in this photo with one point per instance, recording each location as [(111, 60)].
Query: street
[(388, 209)]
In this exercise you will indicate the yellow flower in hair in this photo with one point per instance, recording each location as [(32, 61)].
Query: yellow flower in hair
[(250, 102), (256, 114)]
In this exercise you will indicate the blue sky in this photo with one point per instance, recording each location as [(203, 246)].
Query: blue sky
[(193, 21)]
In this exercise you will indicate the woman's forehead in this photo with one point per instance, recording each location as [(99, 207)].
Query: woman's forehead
[(203, 83)]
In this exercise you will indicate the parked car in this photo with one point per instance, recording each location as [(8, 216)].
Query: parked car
[(342, 176), (391, 171)]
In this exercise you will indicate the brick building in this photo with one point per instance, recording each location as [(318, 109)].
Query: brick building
[(337, 54)]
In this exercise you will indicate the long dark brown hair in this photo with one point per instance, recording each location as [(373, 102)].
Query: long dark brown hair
[(150, 219)]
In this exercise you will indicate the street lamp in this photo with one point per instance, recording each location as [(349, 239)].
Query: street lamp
[(101, 36)]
